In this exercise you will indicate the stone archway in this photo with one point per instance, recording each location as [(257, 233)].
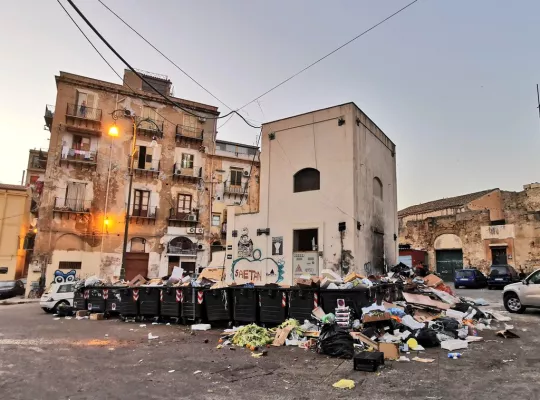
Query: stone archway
[(448, 255)]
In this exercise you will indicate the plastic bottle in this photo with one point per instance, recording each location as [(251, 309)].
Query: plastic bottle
[(455, 356)]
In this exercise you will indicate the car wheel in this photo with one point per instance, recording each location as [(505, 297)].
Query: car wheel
[(47, 310), (456, 286), (513, 304), (55, 308)]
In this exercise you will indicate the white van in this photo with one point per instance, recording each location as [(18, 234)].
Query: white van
[(56, 294)]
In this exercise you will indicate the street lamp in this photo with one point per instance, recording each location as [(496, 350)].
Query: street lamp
[(113, 132)]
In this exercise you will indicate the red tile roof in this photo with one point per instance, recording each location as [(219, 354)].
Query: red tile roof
[(5, 186)]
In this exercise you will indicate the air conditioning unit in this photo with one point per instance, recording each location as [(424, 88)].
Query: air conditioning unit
[(202, 120), (192, 217), (191, 230), (246, 173), (199, 231)]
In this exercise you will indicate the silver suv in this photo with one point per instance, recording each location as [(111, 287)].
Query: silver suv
[(518, 296)]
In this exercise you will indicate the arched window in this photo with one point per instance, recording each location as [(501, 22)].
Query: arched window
[(377, 188), (138, 245), (181, 245), (307, 179)]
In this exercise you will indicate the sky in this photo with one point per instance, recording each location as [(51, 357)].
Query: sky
[(452, 83)]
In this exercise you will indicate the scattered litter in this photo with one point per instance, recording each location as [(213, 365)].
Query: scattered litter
[(171, 370), (150, 336), (142, 326), (111, 348), (452, 345), (507, 334), (404, 358), (149, 373), (131, 330), (68, 317), (344, 384), (197, 372), (454, 356), (201, 327), (168, 324), (524, 329), (474, 339), (106, 335), (499, 317), (56, 319), (507, 361), (155, 323), (423, 360), (481, 302)]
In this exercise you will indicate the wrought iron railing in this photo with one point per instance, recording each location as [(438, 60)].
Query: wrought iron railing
[(72, 205), (179, 215), (144, 211), (155, 127), (187, 169), (79, 155), (236, 189), (82, 111), (188, 131), (182, 251)]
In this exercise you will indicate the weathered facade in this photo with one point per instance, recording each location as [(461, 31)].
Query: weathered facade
[(328, 200), (14, 229), (478, 230), (85, 189)]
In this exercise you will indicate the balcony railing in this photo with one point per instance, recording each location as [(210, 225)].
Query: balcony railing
[(149, 128), (183, 218), (234, 189), (182, 251), (67, 205), (80, 158), (49, 114), (187, 171), (150, 172), (143, 214), (38, 163), (189, 132), (83, 112)]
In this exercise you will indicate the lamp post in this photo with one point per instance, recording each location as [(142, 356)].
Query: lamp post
[(113, 132)]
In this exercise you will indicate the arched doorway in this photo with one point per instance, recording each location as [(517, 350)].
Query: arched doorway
[(448, 255), (182, 252)]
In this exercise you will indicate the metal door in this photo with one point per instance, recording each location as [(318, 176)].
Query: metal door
[(498, 256), (448, 261), (136, 264)]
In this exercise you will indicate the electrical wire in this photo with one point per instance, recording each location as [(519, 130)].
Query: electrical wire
[(160, 52), (140, 76), (328, 55)]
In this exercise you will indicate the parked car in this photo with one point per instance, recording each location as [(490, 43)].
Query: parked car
[(10, 289), (518, 296), (502, 275), (470, 278), (56, 294)]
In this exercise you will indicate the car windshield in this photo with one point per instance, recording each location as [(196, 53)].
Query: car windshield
[(49, 289), (499, 270), (465, 274), (7, 284)]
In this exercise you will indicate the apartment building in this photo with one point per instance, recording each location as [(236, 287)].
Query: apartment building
[(183, 179)]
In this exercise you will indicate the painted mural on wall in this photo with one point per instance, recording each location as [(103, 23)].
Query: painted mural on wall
[(63, 277), (277, 246), (252, 267), (245, 244)]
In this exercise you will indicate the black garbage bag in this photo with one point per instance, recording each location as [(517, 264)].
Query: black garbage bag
[(427, 337), (335, 341), (448, 324)]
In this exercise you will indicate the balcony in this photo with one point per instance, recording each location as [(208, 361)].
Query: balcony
[(186, 172), (78, 158), (147, 128), (142, 216), (38, 160), (68, 207), (181, 251), (235, 190), (187, 134), (83, 119), (49, 114), (182, 218), (147, 173)]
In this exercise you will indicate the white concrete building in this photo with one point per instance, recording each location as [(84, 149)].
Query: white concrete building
[(327, 200)]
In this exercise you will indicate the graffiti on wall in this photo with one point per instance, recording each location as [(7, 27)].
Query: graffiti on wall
[(245, 244), (251, 269), (63, 277)]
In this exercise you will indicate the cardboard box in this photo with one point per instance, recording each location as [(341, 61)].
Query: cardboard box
[(376, 318), (97, 316), (303, 282), (82, 313), (352, 276), (432, 280), (137, 281), (390, 350)]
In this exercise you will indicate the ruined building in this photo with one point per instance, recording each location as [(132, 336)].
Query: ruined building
[(183, 180), (476, 230), (328, 200)]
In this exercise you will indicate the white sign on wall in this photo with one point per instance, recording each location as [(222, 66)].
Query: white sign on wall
[(306, 263), (497, 232)]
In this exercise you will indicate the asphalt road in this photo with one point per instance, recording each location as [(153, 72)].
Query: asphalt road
[(44, 358)]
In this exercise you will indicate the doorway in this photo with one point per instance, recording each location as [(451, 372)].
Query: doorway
[(448, 261), (498, 256), (136, 264), (305, 240)]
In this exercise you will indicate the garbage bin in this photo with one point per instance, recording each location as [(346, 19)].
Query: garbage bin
[(302, 302), (79, 299), (96, 302), (149, 297), (192, 304), (244, 304), (354, 298), (171, 298), (218, 304), (112, 299), (129, 302), (272, 305)]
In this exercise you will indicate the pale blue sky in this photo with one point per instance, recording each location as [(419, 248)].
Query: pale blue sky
[(452, 83)]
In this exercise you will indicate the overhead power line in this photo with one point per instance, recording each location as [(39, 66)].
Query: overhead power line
[(91, 26), (328, 55), (165, 56)]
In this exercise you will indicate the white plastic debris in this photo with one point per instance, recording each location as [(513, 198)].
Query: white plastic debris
[(197, 372), (474, 339), (68, 317), (201, 327), (172, 370), (410, 322), (142, 326), (150, 336), (481, 302), (56, 319), (403, 358), (455, 344), (457, 315), (499, 317)]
